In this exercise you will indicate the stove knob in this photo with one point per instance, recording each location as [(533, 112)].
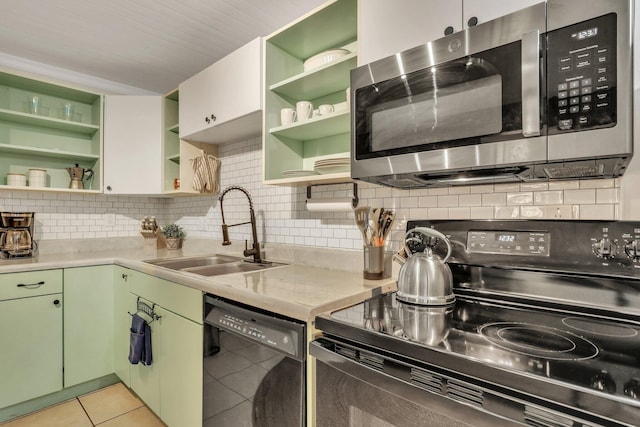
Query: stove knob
[(603, 382), (605, 248), (632, 389), (632, 249)]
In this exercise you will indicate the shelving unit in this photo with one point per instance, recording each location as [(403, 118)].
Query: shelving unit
[(177, 152), (298, 146), (45, 139)]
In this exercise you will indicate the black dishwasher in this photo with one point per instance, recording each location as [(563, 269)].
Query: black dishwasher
[(254, 367)]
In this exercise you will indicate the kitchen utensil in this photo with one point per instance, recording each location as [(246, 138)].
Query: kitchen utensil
[(426, 278), (77, 174), (389, 218), (287, 116), (373, 262), (361, 214), (374, 221), (304, 110), (325, 109)]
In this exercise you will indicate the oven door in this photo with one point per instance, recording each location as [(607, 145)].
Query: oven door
[(472, 99), (350, 394)]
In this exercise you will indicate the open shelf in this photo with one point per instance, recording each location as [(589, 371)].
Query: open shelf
[(317, 127), (43, 152), (48, 122)]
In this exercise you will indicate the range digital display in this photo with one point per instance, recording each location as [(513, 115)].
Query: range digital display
[(506, 237)]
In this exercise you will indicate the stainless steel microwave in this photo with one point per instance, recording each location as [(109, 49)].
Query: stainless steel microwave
[(544, 93)]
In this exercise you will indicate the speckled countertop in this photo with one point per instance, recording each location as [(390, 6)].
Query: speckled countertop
[(297, 291)]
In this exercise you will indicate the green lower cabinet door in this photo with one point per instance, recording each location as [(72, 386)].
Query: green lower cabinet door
[(181, 379), (145, 380), (88, 323), (30, 348), (121, 322)]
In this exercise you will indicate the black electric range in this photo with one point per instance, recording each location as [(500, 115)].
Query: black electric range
[(547, 316)]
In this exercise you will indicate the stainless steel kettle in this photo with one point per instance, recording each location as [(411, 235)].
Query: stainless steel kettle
[(425, 278)]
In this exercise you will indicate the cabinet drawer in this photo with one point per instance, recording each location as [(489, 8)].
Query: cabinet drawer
[(182, 300), (30, 283)]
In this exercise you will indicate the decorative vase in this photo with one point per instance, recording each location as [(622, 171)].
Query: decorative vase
[(173, 243)]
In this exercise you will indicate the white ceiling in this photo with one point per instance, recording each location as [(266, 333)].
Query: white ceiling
[(148, 44)]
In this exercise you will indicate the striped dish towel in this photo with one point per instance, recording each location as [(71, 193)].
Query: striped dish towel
[(205, 173)]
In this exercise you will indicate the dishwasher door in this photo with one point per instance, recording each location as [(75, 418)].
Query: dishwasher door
[(254, 368)]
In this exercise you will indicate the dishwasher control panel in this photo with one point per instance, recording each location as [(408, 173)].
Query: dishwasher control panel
[(269, 335)]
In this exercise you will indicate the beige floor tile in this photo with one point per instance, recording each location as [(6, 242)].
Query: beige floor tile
[(141, 417), (109, 402), (66, 414)]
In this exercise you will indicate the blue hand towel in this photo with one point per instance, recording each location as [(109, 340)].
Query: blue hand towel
[(140, 341)]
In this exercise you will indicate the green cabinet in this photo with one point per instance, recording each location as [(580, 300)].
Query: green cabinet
[(45, 125), (121, 322), (172, 385), (88, 323), (30, 335), (296, 147)]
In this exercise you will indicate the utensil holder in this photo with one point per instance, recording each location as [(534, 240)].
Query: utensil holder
[(373, 262)]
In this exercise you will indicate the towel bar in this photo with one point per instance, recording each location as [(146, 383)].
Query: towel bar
[(143, 307)]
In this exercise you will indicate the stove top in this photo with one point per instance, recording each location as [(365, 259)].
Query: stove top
[(598, 354)]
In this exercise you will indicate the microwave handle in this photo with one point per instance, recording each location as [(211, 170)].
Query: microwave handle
[(531, 83)]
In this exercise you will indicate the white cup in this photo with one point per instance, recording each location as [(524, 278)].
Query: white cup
[(304, 110), (287, 116), (325, 109)]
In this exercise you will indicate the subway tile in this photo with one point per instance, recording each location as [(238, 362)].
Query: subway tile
[(597, 183), (481, 189), (494, 199), (605, 212), (478, 212), (534, 186), (506, 212), (564, 185), (459, 213), (470, 200), (548, 197), (523, 198), (506, 188), (580, 197), (447, 201), (607, 195)]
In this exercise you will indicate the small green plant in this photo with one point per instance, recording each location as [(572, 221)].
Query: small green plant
[(173, 231)]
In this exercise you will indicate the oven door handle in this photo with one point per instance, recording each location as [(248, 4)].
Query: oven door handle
[(530, 60)]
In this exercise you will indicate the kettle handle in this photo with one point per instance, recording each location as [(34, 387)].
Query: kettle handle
[(433, 233)]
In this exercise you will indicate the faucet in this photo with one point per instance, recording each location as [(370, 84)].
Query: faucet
[(255, 248)]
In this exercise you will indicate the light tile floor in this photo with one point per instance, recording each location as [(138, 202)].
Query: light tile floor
[(113, 406)]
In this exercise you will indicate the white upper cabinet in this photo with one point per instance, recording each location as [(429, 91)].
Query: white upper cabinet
[(385, 27), (223, 102), (479, 11), (133, 144)]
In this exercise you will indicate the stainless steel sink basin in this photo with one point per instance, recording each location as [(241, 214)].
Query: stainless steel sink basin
[(188, 262), (212, 265), (236, 267)]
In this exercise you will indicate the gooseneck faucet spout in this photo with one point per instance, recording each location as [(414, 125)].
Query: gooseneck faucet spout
[(255, 249)]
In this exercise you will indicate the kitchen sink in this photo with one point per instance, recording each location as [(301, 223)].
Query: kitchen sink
[(212, 265), (190, 262)]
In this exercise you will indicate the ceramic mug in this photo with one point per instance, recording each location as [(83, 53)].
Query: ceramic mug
[(304, 110), (325, 109), (287, 116)]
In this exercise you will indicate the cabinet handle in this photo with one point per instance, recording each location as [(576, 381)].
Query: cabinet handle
[(56, 302), (472, 22), (108, 188), (210, 119), (125, 276), (30, 285), (448, 30)]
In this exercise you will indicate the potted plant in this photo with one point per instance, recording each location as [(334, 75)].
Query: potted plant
[(174, 235)]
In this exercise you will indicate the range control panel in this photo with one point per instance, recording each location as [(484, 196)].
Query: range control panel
[(600, 247), (581, 64), (534, 243)]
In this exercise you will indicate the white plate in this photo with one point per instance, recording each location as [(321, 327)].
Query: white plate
[(299, 173), (332, 169), (324, 58)]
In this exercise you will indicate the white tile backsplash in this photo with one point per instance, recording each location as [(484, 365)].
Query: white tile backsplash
[(281, 213)]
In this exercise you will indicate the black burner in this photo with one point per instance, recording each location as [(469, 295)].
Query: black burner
[(538, 341)]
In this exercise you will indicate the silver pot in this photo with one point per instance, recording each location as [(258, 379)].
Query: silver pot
[(425, 278), (427, 325)]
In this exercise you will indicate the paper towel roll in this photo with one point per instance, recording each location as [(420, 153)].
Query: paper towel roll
[(329, 205)]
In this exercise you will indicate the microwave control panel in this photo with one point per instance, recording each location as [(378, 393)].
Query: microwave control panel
[(581, 64)]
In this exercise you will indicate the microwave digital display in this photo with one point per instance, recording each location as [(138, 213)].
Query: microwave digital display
[(585, 34)]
